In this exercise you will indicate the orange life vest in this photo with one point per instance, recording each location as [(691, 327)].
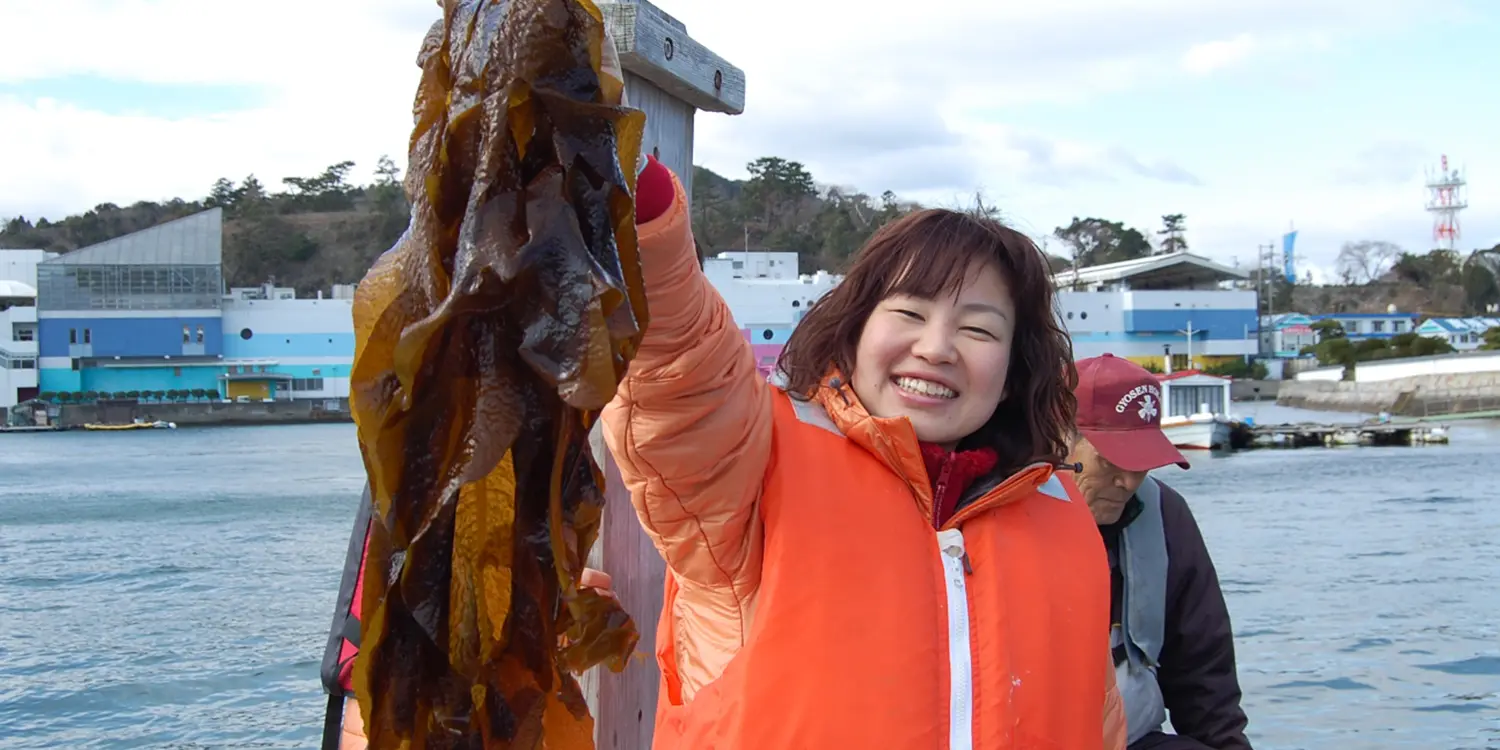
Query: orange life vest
[(874, 629)]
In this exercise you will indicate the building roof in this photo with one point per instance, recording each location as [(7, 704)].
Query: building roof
[(1363, 316), (1459, 325), (1285, 320), (14, 289), (1163, 270), (1183, 374), (196, 240)]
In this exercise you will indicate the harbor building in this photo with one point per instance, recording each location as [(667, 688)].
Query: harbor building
[(279, 346), (1284, 336), (136, 313), (1463, 334), (18, 375), (1363, 326), (146, 314), (767, 295), (19, 380), (1180, 305)]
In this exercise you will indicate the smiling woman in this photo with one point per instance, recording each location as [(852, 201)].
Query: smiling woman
[(914, 442)]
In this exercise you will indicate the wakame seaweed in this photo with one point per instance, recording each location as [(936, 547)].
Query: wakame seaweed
[(487, 341)]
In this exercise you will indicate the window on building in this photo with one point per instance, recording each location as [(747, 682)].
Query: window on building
[(75, 364), (200, 334), (26, 334), (187, 335), (73, 336), (1377, 326), (1398, 326), (88, 335), (307, 384)]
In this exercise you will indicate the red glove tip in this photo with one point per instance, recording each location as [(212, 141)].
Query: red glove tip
[(653, 191)]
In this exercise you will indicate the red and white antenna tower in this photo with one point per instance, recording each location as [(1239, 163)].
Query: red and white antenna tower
[(1444, 200)]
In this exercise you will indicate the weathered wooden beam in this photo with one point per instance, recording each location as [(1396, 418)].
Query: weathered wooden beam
[(656, 47), (624, 704), (670, 77)]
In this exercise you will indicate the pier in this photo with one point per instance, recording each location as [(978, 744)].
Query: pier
[(1311, 435), (29, 428)]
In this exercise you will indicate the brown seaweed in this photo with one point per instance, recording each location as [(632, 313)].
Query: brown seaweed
[(487, 341)]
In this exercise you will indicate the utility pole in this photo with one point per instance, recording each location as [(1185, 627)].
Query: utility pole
[(1268, 269), (1265, 279), (1189, 334)]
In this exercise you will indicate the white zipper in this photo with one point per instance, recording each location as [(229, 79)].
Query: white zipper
[(960, 660)]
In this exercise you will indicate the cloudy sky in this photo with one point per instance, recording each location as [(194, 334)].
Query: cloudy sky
[(1248, 116)]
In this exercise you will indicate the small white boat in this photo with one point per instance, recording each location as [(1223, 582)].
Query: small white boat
[(1202, 431), (1195, 410)]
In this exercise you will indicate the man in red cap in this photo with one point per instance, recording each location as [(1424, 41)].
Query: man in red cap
[(1173, 644)]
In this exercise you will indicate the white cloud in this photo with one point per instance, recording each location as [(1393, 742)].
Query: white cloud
[(1205, 58), (339, 76)]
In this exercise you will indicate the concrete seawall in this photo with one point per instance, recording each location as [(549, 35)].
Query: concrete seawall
[(207, 414), (1254, 390), (1417, 396)]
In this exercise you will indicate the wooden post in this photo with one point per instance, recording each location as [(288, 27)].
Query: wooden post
[(670, 77)]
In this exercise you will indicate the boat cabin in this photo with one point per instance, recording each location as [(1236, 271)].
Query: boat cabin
[(1190, 392)]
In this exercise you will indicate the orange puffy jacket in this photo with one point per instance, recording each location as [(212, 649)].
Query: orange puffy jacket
[(810, 602)]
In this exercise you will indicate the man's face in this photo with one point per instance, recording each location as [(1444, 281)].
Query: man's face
[(1106, 487)]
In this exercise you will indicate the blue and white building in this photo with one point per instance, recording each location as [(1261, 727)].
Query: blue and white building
[(1286, 334), (1463, 334), (146, 315), (140, 312), (279, 346), (768, 295), (1180, 304), (1380, 326), (18, 328)]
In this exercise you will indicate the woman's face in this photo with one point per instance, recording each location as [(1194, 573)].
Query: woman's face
[(941, 363)]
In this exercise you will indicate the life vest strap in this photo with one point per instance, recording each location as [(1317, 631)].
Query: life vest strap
[(333, 722)]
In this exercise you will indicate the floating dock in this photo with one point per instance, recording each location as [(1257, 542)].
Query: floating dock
[(31, 428), (1310, 435)]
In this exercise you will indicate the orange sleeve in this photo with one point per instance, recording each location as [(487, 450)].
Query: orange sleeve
[(690, 426), (1115, 731)]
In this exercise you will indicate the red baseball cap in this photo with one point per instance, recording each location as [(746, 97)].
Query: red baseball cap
[(1120, 410)]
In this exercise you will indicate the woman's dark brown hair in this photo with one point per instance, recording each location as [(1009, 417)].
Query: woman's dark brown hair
[(929, 254)]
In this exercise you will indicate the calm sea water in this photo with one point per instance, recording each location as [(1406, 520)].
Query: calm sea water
[(174, 589)]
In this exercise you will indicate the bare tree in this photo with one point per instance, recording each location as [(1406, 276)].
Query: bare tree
[(979, 206), (1366, 261)]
